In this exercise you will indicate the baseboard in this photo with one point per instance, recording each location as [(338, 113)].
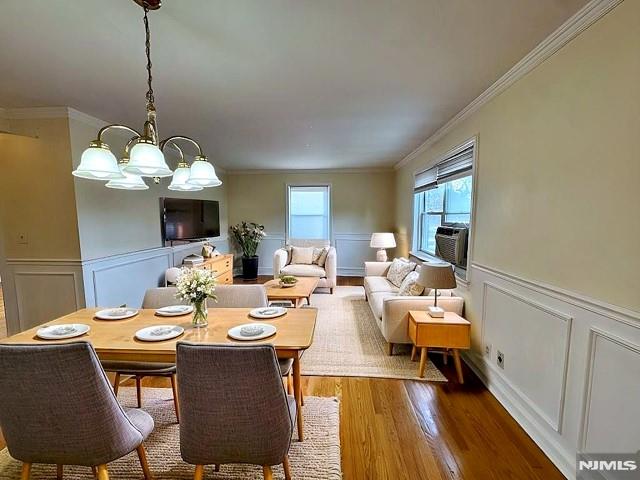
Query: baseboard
[(500, 389)]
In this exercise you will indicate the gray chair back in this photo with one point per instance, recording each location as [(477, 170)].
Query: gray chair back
[(56, 406), (233, 405), (239, 296), (161, 297)]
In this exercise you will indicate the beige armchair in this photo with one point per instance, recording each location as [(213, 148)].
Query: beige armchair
[(326, 274), (392, 310)]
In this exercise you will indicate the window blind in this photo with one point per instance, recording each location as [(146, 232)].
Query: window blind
[(426, 180), (453, 167), (459, 163)]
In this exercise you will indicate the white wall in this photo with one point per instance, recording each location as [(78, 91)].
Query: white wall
[(554, 270), (362, 202)]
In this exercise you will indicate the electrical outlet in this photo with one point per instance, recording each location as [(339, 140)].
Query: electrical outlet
[(21, 239), (500, 359), (487, 349)]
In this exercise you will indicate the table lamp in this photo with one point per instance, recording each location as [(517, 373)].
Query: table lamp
[(436, 275), (382, 241)]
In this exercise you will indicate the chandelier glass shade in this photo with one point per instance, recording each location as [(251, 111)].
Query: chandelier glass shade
[(144, 152), (147, 160), (98, 163), (129, 182), (203, 174), (180, 181)]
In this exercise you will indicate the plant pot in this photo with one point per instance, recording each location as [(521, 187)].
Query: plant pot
[(250, 267)]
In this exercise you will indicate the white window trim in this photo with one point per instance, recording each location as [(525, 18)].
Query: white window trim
[(471, 142), (286, 201)]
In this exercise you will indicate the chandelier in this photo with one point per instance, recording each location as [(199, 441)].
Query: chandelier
[(143, 154)]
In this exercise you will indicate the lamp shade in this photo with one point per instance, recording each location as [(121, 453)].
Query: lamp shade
[(437, 275), (147, 160), (129, 182), (382, 240), (179, 180), (203, 174), (98, 163)]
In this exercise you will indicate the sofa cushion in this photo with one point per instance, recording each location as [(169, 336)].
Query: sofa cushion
[(302, 255), (410, 286), (304, 270), (320, 256), (376, 302), (399, 269), (379, 284)]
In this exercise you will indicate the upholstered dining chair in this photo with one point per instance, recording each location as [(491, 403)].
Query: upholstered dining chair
[(58, 408), (153, 298), (235, 407), (250, 296)]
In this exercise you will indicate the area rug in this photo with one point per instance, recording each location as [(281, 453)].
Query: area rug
[(348, 342), (317, 458)]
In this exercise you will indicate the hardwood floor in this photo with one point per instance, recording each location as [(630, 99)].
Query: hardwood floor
[(402, 429), (342, 281)]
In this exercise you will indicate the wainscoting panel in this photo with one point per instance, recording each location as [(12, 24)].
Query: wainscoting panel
[(123, 279), (542, 346), (37, 290), (572, 363), (612, 409), (268, 246), (353, 250)]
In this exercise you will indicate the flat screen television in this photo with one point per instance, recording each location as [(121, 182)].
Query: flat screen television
[(186, 219)]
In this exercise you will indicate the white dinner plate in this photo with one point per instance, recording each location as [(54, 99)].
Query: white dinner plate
[(268, 312), (252, 331), (159, 333), (174, 310), (58, 332), (116, 313)]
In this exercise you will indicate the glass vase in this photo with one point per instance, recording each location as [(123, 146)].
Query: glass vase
[(200, 314)]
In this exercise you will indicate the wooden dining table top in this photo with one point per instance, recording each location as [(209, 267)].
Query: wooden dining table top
[(115, 339)]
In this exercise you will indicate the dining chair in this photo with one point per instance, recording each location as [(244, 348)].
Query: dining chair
[(250, 296), (153, 298), (235, 408), (58, 408)]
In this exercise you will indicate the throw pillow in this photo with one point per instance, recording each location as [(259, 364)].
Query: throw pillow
[(288, 250), (320, 256), (302, 255), (409, 285), (398, 270)]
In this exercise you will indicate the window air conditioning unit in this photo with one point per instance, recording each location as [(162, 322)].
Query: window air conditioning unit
[(451, 244)]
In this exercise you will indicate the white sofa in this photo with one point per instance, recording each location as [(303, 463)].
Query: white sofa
[(391, 310), (326, 274)]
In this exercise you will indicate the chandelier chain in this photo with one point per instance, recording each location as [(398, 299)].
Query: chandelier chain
[(150, 97)]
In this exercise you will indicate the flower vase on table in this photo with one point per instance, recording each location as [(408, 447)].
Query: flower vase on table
[(195, 285)]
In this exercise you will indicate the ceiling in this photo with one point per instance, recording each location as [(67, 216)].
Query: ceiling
[(273, 84)]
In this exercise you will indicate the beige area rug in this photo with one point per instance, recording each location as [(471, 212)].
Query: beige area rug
[(348, 342), (317, 458)]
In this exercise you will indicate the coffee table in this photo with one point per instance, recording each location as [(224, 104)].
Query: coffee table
[(296, 294)]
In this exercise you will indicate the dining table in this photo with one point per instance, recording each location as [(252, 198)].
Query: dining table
[(116, 340)]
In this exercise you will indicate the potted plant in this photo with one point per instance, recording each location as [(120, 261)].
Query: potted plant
[(287, 281), (195, 285), (249, 235)]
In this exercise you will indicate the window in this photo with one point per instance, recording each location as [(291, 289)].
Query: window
[(442, 198), (308, 212)]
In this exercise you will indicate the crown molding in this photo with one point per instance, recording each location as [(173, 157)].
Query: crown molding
[(574, 26), (74, 114), (293, 171), (50, 112)]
